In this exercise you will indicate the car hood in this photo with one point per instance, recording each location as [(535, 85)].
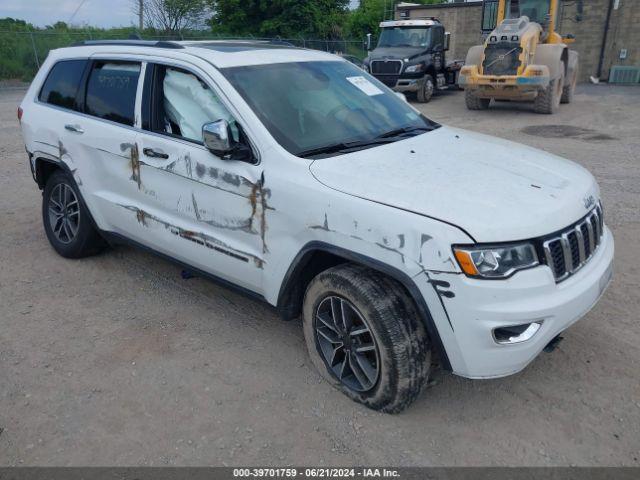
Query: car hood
[(493, 189), (397, 53)]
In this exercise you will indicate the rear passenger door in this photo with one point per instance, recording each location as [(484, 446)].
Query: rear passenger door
[(99, 144), (201, 209)]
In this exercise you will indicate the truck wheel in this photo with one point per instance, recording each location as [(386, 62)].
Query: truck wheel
[(365, 337), (569, 90), (548, 100), (426, 92), (474, 102), (66, 219)]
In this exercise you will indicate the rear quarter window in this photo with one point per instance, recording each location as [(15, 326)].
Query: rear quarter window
[(111, 91), (62, 84)]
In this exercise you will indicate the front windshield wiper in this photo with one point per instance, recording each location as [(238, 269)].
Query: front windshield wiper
[(404, 131), (348, 147)]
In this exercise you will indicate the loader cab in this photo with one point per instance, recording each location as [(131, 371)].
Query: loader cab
[(542, 12)]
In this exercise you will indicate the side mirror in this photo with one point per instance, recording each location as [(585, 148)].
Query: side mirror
[(447, 40), (368, 42), (217, 137)]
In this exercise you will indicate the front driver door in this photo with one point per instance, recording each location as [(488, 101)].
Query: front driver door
[(192, 205)]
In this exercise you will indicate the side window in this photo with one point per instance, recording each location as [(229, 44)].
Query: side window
[(489, 15), (111, 91), (183, 104), (438, 38), (61, 86)]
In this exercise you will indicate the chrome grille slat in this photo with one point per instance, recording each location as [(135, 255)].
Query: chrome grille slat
[(581, 248), (569, 250)]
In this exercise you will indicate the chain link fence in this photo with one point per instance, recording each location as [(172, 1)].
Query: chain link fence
[(22, 53)]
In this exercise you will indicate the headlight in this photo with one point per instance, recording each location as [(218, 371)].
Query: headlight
[(414, 68), (500, 261)]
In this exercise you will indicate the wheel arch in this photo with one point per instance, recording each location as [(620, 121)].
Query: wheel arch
[(44, 165), (474, 55), (316, 256), (554, 56)]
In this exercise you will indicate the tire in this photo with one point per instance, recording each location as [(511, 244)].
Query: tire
[(474, 102), (568, 91), (397, 340), (426, 92), (548, 100), (67, 222)]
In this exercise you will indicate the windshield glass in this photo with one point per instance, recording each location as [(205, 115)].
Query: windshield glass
[(405, 37), (536, 10), (308, 106)]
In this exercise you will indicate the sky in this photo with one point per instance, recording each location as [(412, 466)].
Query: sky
[(98, 13)]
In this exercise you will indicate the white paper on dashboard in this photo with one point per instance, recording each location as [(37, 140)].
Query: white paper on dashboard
[(365, 86)]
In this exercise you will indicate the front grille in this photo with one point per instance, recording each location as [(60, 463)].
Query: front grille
[(386, 67), (568, 251), (501, 58), (389, 80)]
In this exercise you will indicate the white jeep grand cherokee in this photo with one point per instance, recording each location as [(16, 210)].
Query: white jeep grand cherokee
[(301, 180)]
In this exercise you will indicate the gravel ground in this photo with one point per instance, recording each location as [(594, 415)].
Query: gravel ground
[(115, 360)]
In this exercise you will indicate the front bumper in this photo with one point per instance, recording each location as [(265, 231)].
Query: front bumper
[(533, 79), (473, 308), (399, 84)]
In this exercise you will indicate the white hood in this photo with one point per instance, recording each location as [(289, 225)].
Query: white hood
[(493, 189)]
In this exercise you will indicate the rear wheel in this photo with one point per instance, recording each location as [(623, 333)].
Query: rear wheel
[(474, 102), (548, 100), (569, 90), (365, 337), (426, 91), (66, 219)]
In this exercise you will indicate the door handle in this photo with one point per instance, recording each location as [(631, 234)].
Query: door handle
[(74, 128), (150, 152)]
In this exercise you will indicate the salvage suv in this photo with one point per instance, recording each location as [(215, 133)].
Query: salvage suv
[(299, 179)]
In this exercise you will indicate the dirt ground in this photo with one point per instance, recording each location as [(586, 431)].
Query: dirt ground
[(116, 360)]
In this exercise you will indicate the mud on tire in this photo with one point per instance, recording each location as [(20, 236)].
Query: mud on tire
[(403, 346), (548, 100), (474, 102)]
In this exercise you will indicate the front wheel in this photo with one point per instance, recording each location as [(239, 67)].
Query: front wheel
[(474, 102), (426, 91), (548, 100), (365, 337)]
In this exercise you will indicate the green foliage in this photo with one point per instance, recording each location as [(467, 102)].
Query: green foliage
[(284, 18), (327, 22)]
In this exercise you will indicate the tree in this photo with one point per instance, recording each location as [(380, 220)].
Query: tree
[(284, 18), (174, 15), (367, 17)]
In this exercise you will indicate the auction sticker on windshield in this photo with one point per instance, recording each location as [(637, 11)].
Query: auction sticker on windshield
[(365, 85)]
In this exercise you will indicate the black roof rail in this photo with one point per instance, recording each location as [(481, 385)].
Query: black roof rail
[(129, 43)]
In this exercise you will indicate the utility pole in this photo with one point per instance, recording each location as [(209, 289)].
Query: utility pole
[(140, 15)]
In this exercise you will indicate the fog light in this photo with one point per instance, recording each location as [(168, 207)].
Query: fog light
[(516, 333)]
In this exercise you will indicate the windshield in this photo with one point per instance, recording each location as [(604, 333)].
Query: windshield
[(536, 10), (324, 106), (405, 37)]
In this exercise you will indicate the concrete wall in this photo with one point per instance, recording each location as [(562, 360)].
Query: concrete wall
[(463, 21)]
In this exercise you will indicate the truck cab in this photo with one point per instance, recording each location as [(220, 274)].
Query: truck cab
[(410, 57)]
